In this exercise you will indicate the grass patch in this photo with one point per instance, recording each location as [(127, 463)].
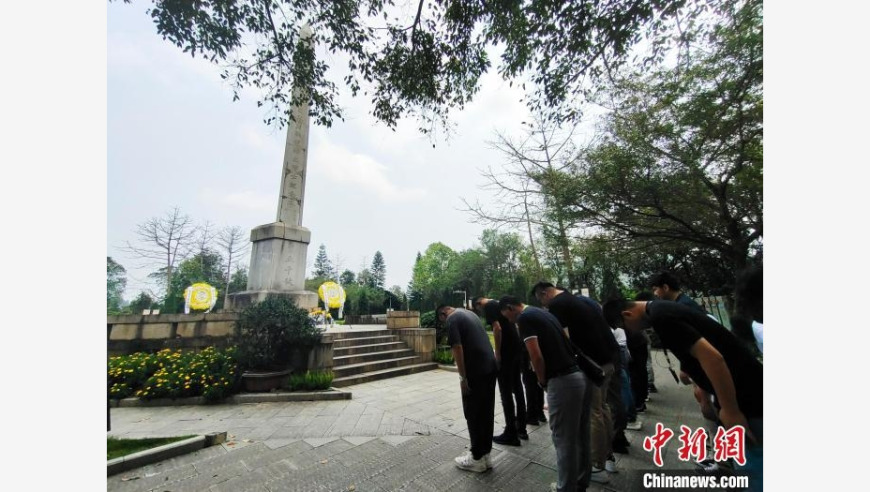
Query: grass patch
[(122, 447), (311, 380), (443, 355)]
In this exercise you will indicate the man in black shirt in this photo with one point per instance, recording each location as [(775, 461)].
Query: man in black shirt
[(716, 360), (477, 369), (666, 286), (566, 387), (507, 355), (590, 332)]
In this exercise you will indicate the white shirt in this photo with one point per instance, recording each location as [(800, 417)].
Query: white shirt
[(758, 331)]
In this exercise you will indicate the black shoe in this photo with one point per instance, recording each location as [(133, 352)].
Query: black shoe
[(522, 434), (542, 419), (652, 388), (641, 408), (506, 440)]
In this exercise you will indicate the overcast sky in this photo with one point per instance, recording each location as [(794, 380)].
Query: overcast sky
[(175, 138)]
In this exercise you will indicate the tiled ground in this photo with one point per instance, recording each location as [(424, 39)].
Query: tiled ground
[(395, 434)]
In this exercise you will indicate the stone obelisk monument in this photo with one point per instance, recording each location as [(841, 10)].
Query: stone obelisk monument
[(279, 251)]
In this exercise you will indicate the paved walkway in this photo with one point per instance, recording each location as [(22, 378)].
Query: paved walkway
[(395, 434)]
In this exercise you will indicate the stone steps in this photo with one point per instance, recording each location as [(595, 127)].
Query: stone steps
[(368, 340), (383, 374), (371, 355), (342, 335), (364, 349), (376, 365), (347, 360)]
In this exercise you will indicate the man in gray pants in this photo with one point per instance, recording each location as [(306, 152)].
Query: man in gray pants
[(567, 390)]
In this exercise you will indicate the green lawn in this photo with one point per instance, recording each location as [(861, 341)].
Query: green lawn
[(122, 447)]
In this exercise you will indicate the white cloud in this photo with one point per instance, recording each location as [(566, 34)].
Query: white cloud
[(360, 171), (247, 200), (257, 138)]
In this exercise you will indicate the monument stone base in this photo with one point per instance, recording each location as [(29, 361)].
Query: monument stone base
[(240, 300), (277, 267)]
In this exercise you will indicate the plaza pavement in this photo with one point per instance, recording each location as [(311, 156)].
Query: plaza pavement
[(395, 434)]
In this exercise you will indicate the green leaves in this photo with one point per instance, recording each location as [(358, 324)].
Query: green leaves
[(421, 62), (268, 331), (116, 282)]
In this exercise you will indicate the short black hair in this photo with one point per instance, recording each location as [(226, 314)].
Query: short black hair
[(665, 278), (476, 300), (613, 309), (507, 301), (439, 308), (644, 296), (749, 292), (543, 284)]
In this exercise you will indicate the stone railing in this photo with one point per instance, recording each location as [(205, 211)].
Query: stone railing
[(150, 333), (365, 319), (406, 326)]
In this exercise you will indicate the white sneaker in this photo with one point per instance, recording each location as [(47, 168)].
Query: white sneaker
[(599, 475), (634, 426), (467, 462), (488, 460), (610, 465)]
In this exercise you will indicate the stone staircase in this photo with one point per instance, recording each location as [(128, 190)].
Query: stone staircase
[(370, 355)]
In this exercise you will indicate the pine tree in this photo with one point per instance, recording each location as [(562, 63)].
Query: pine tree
[(322, 265), (414, 294), (379, 270)]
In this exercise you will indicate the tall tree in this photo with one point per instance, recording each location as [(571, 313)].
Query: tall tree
[(529, 190), (502, 253), (202, 267), (116, 282), (379, 270), (424, 61), (164, 242), (322, 265), (347, 277), (415, 295), (399, 294), (680, 165), (142, 302), (239, 280), (365, 277), (205, 235), (233, 243), (431, 274)]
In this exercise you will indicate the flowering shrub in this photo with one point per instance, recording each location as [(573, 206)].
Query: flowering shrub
[(211, 373), (127, 373)]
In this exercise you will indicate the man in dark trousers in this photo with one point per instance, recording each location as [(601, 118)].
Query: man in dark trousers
[(716, 360), (507, 356), (590, 332), (565, 385), (477, 369), (534, 393)]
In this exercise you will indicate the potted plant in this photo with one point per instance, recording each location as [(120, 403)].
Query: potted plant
[(269, 333)]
